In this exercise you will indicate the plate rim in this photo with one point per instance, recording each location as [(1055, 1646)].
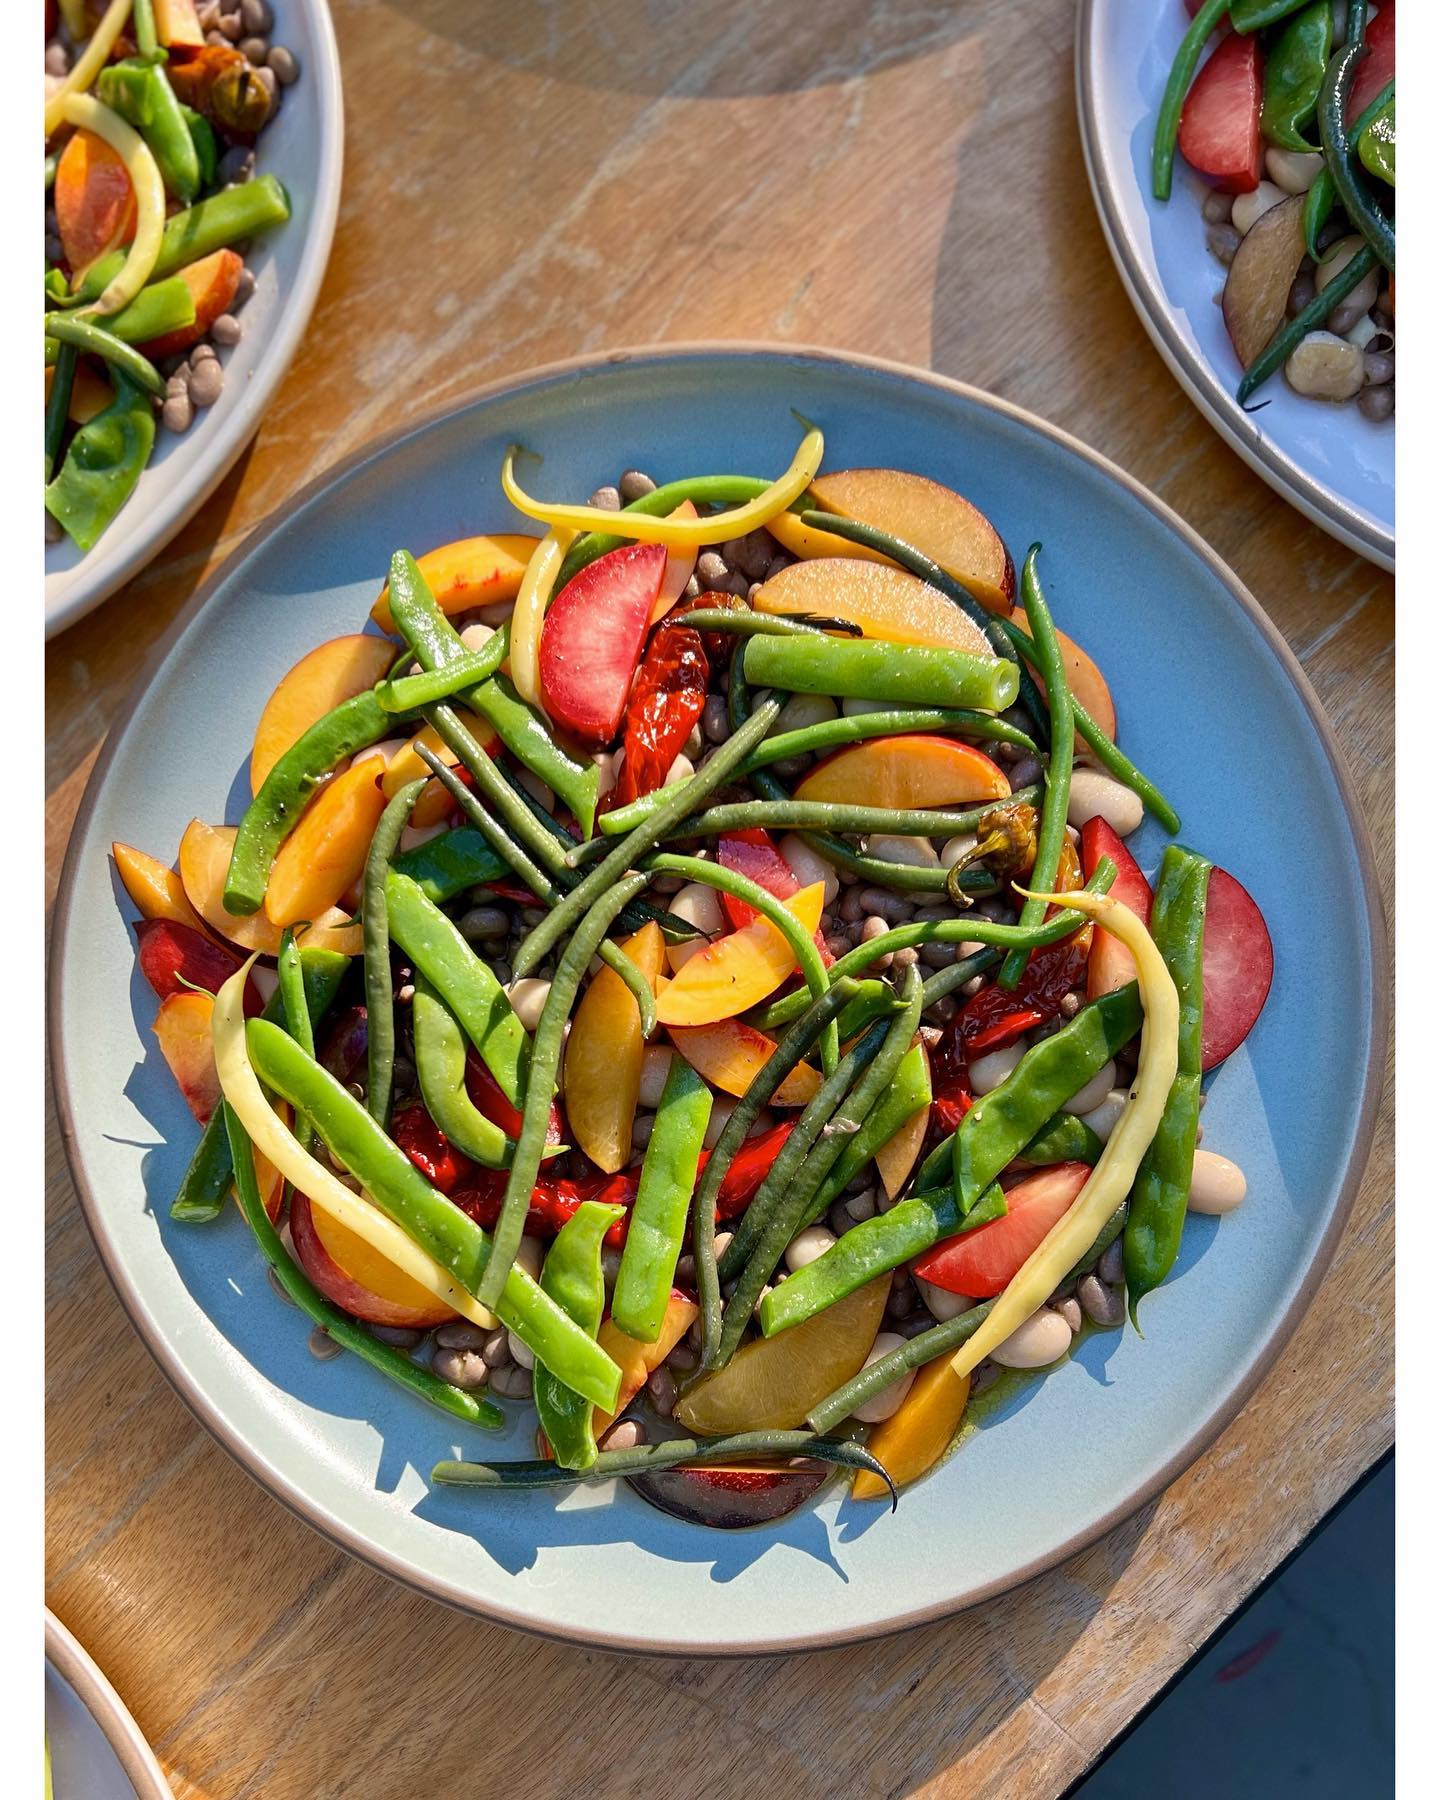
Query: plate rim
[(96, 1693), (294, 320), (1304, 491), (254, 1459)]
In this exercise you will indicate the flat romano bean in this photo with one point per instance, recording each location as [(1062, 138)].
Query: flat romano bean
[(656, 1232), (408, 693), (375, 925), (440, 1071), (235, 212), (84, 334), (445, 866), (575, 1281)]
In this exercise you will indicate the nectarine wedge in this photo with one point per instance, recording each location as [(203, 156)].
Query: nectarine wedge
[(94, 201), (204, 860), (906, 771), (177, 25), (326, 851), (89, 393), (637, 1361), (157, 891), (738, 971), (477, 571), (885, 602), (212, 283), (183, 1028), (332, 672), (1087, 684), (897, 1155), (405, 766), (914, 1439), (679, 567), (355, 1277), (730, 1054), (604, 1053)]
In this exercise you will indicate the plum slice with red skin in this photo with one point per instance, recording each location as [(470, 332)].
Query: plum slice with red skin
[(726, 1497), (592, 638)]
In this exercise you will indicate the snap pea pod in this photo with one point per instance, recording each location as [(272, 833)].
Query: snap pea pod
[(1377, 145), (392, 1363), (84, 334), (1162, 1186), (1254, 15), (1050, 837), (106, 458), (162, 307), (875, 1377), (1067, 1138), (234, 213), (206, 1181), (447, 865), (1294, 69), (1373, 224), (898, 674), (147, 41), (375, 926), (909, 1091), (573, 1278), (829, 734), (779, 1223), (434, 945), (408, 693), (290, 985), (656, 1231), (1320, 196), (540, 1085), (703, 490), (1000, 1124), (139, 91), (57, 404), (449, 1236), (275, 811), (1177, 86), (440, 1071), (1308, 319), (521, 729), (628, 850), (781, 1061), (674, 1453)]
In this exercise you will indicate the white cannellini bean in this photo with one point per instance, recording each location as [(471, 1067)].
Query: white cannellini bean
[(266, 980), (910, 852), (954, 848), (1041, 1340), (699, 906), (813, 1242), (942, 1303), (415, 835), (1095, 795), (1217, 1185), (808, 866), (988, 1071), (1324, 367), (801, 710), (654, 1070), (607, 762), (852, 709), (1254, 205), (520, 1352), (528, 996), (1362, 332), (680, 770), (475, 637), (720, 1113), (1103, 1119), (1093, 1092), (530, 1255), (888, 1400), (1292, 170)]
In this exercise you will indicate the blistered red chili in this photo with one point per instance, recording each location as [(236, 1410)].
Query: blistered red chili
[(666, 701)]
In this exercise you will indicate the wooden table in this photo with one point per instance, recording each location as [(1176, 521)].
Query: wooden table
[(904, 180)]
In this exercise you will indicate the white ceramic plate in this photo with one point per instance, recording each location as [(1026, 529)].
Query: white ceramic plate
[(304, 147), (1332, 463), (97, 1751)]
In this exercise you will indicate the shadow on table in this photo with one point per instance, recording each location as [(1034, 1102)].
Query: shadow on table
[(690, 51)]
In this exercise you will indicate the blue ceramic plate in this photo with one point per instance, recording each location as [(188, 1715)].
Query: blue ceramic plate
[(1190, 658), (1332, 463)]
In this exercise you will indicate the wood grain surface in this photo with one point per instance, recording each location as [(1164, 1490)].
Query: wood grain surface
[(523, 183)]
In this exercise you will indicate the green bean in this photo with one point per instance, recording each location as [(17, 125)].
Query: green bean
[(945, 982), (741, 621), (898, 674), (393, 1363), (800, 941), (629, 849), (440, 1071), (445, 866), (656, 1230), (1067, 1138), (57, 404), (777, 1222), (375, 924), (1374, 225), (408, 693), (211, 224), (674, 1453), (907, 1094), (704, 490), (84, 334), (1050, 838), (1288, 337), (545, 1055), (1182, 72), (290, 980), (147, 43), (1162, 1184), (574, 1279), (786, 1055), (833, 815), (1320, 196), (1254, 15)]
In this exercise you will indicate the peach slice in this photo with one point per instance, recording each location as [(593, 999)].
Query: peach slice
[(183, 1028), (477, 571), (212, 283), (1086, 682), (332, 672), (405, 766), (885, 602), (914, 1438), (177, 25), (679, 567), (906, 771), (94, 201), (637, 1361), (326, 851), (157, 891), (89, 394), (738, 971), (807, 543), (204, 859), (730, 1054), (604, 1053), (355, 1277), (930, 518), (897, 1155)]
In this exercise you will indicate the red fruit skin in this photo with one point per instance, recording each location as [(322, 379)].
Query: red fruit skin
[(1111, 964), (432, 1153), (173, 957), (592, 638), (983, 1262), (1378, 67), (1220, 125), (340, 1289), (753, 853), (1239, 967)]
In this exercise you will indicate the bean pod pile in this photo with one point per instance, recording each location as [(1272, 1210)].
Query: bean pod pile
[(686, 969)]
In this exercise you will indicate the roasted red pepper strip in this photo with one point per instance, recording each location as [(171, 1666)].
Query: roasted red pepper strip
[(993, 1018), (665, 702), (950, 1096), (431, 1151), (484, 1091)]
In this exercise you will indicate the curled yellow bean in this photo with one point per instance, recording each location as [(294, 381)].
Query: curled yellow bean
[(526, 621), (89, 63)]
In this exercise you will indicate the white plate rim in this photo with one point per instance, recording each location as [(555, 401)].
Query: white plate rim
[(71, 1660)]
